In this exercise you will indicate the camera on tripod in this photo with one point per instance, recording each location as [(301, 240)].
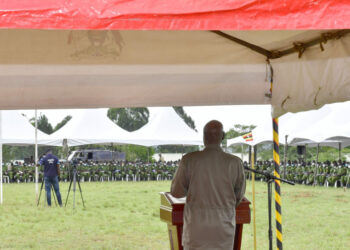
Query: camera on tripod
[(74, 179)]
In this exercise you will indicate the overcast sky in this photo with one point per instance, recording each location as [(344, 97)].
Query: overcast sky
[(228, 115)]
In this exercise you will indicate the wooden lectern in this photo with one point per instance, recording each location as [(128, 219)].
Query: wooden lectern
[(171, 211)]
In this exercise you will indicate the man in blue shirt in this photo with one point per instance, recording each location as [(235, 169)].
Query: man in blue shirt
[(51, 173)]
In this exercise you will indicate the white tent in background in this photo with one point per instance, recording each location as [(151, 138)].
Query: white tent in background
[(16, 130), (330, 128), (92, 126), (165, 127), (327, 126), (262, 133)]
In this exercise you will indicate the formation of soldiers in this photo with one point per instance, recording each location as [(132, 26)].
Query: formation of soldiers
[(335, 174), (91, 171)]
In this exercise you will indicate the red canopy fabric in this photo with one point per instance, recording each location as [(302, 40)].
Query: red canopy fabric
[(175, 14)]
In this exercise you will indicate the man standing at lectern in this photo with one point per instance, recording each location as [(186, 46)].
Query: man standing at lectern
[(214, 184)]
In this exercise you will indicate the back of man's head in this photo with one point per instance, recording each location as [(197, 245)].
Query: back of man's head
[(213, 133)]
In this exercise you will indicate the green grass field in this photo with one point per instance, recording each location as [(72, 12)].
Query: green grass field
[(121, 215)]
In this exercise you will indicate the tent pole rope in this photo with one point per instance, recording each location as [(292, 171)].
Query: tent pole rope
[(253, 191), (297, 47), (276, 160)]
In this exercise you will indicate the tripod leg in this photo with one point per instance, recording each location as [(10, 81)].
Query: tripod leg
[(81, 193), (53, 194), (74, 186), (41, 189), (70, 185)]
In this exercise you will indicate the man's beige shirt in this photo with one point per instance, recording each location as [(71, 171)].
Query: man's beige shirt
[(214, 184)]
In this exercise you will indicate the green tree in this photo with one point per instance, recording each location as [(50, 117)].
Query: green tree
[(139, 153), (129, 119), (132, 119), (238, 129), (43, 124), (187, 119), (62, 123)]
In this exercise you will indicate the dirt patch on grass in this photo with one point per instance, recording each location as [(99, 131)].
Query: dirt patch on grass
[(340, 196), (303, 195), (342, 200)]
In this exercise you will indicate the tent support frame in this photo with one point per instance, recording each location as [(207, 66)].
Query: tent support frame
[(298, 47)]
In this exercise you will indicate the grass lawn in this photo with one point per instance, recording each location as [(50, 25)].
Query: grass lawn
[(121, 215)]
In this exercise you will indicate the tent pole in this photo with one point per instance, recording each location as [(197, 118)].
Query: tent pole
[(147, 154), (278, 202), (65, 149), (36, 157), (112, 151), (242, 152), (1, 197), (339, 148), (317, 154), (276, 160), (285, 156), (253, 190)]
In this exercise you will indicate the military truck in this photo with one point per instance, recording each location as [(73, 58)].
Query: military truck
[(96, 155)]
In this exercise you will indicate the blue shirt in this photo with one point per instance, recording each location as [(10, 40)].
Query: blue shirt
[(50, 163)]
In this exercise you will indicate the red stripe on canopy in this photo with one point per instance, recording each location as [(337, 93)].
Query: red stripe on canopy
[(175, 14)]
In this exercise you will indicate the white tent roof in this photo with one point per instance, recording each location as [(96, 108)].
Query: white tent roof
[(165, 127), (327, 126), (90, 127), (17, 130), (85, 69)]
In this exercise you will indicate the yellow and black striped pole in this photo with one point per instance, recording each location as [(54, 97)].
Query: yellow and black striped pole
[(276, 160), (278, 204)]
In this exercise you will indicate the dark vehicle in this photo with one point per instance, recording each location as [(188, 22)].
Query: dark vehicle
[(96, 155)]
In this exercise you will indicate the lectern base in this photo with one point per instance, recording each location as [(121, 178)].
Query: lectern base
[(171, 211)]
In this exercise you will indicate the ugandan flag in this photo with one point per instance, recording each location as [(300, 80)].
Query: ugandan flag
[(248, 137)]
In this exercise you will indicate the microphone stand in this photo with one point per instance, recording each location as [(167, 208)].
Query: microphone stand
[(269, 178)]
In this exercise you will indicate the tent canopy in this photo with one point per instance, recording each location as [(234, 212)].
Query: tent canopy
[(175, 15), (165, 127), (17, 130), (91, 127), (68, 63), (85, 69), (327, 126)]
